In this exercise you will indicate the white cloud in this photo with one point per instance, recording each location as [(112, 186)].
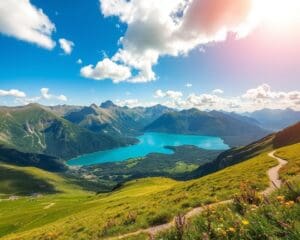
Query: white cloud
[(25, 101), (46, 95), (264, 97), (203, 100), (188, 85), (218, 91), (253, 99), (12, 93), (262, 92), (159, 94), (79, 61), (169, 94), (24, 21), (66, 45), (128, 102), (162, 27), (134, 103), (106, 69)]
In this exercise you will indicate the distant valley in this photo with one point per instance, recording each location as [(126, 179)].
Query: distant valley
[(64, 132), (47, 136)]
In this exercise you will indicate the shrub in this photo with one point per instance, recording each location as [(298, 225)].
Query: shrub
[(248, 196)]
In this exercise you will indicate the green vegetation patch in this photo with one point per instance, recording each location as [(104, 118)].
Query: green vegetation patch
[(275, 217), (16, 182), (292, 155)]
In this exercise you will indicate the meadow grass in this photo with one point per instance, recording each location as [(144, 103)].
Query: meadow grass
[(252, 216), (292, 155), (138, 204)]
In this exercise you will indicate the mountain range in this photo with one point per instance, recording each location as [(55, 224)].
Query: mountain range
[(114, 120), (64, 131), (275, 119), (35, 129)]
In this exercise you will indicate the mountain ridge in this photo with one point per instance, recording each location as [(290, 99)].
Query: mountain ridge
[(235, 131), (33, 128)]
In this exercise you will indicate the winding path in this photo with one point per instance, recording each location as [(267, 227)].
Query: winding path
[(273, 174), (275, 182)]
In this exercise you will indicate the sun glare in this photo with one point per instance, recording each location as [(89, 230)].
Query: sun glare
[(278, 14)]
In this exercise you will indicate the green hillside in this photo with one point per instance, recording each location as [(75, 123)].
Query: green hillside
[(14, 181), (34, 129), (292, 155), (137, 204), (251, 216), (42, 161), (30, 180), (287, 136), (233, 156)]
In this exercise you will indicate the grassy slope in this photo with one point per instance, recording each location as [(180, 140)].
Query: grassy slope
[(27, 213), (277, 218), (32, 180), (138, 204), (16, 182), (292, 155)]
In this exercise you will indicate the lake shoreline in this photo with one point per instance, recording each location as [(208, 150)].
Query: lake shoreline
[(150, 142)]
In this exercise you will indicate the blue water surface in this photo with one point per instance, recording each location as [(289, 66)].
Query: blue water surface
[(149, 143)]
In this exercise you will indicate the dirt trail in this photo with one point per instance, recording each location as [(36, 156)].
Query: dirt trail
[(273, 174), (275, 182)]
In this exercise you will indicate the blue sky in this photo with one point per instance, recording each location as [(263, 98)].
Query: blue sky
[(233, 65)]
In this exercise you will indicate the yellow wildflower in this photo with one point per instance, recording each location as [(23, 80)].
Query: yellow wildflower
[(280, 198), (289, 203), (245, 222)]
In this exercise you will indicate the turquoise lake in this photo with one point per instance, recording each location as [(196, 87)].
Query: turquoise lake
[(149, 143)]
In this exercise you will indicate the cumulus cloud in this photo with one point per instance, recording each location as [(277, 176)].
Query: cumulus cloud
[(162, 27), (262, 92), (253, 99), (106, 69), (203, 100), (66, 45), (169, 94), (188, 85), (24, 21), (264, 96), (46, 95), (79, 61), (12, 93), (218, 91)]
